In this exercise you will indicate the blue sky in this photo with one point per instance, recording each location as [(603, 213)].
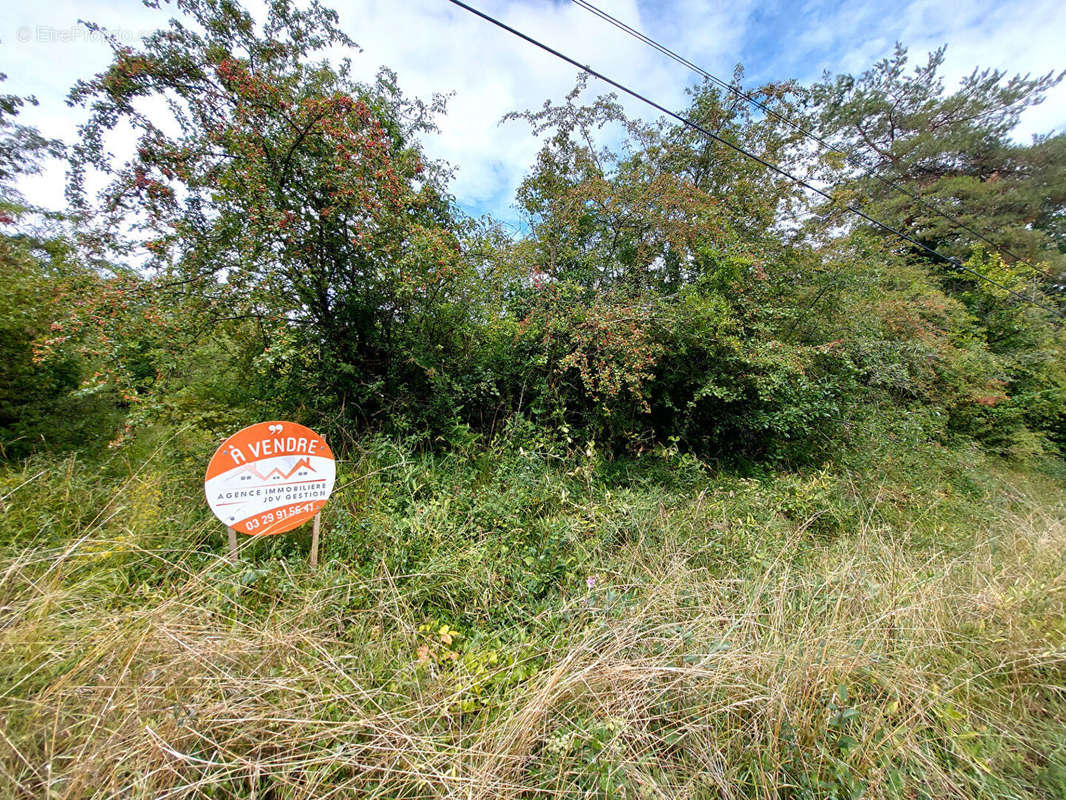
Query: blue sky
[(436, 47)]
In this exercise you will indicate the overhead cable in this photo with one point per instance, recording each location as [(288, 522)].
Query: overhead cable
[(748, 154)]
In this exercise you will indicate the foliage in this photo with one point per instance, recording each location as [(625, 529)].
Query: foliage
[(951, 152), (282, 194), (40, 403), (693, 489), (304, 259), (521, 615), (22, 151)]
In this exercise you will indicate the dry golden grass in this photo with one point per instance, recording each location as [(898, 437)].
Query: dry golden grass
[(861, 665)]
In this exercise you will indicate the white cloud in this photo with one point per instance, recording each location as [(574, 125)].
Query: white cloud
[(1016, 37), (437, 47)]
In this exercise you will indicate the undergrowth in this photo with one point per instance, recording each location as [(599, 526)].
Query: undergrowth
[(513, 618)]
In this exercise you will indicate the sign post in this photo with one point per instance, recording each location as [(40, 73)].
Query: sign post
[(314, 541), (270, 478)]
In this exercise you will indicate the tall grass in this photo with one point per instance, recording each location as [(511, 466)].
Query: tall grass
[(511, 622)]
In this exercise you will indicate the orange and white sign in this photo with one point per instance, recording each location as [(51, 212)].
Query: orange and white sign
[(270, 478)]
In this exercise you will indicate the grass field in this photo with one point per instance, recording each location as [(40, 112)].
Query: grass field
[(513, 620)]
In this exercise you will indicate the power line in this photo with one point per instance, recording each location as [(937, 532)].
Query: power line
[(769, 165), (850, 156)]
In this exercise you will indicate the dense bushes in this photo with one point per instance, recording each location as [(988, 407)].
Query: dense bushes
[(692, 490), (306, 260), (519, 613)]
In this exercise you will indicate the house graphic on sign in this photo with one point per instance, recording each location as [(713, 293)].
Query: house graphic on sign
[(300, 469)]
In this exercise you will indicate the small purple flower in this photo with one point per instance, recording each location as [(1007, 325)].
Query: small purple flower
[(590, 581)]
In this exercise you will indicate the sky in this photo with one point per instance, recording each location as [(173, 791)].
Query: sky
[(436, 47)]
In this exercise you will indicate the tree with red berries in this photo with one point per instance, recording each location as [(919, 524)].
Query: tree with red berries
[(272, 190)]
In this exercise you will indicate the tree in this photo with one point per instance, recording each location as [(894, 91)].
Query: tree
[(22, 152), (660, 284), (40, 405), (999, 376), (636, 210), (954, 151), (277, 191)]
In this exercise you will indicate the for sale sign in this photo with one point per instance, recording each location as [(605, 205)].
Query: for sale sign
[(270, 477)]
